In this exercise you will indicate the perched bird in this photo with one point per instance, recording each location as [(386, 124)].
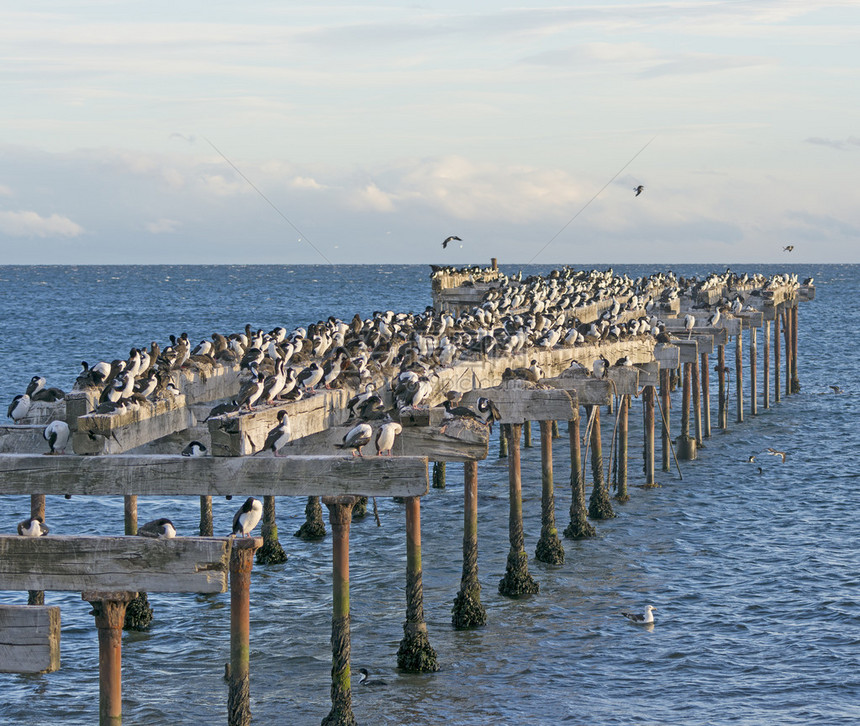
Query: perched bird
[(247, 517), (364, 679), (450, 239), (19, 407), (33, 527), (836, 389), (641, 618), (194, 448), (250, 392), (310, 376), (638, 190), (56, 434), (774, 452), (689, 324), (788, 248), (279, 436), (356, 437), (385, 436), (157, 529)]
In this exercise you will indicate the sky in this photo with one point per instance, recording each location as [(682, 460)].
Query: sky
[(304, 133)]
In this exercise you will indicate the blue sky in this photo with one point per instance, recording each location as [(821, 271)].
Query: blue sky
[(282, 132)]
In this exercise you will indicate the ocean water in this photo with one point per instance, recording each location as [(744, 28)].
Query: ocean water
[(755, 577)]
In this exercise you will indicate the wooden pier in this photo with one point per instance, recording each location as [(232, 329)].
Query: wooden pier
[(543, 349)]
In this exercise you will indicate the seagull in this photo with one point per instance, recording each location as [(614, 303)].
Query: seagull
[(161, 528), (638, 190), (788, 248), (56, 434), (450, 239), (774, 452), (836, 389), (33, 527), (194, 448), (247, 517), (641, 618)]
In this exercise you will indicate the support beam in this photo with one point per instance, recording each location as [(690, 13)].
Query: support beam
[(766, 360), (648, 401), (753, 372), (739, 375), (549, 548), (579, 527), (468, 612), (599, 506), (666, 407), (706, 396), (795, 380), (723, 400), (621, 466), (697, 401), (239, 680), (37, 509), (29, 639)]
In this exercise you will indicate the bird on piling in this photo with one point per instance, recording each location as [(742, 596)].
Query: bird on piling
[(638, 190), (247, 517), (33, 527), (689, 324), (356, 437), (37, 391), (452, 238), (278, 436), (385, 436), (161, 528), (641, 618), (56, 434), (19, 407), (194, 448)]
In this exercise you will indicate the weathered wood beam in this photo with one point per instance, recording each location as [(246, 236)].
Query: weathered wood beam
[(402, 476), (589, 391), (29, 638), (182, 564), (519, 401)]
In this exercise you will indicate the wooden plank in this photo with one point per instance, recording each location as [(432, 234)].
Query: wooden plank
[(43, 412), (520, 401), (403, 476), (29, 638), (453, 441), (668, 356), (589, 391), (649, 374), (21, 439), (182, 564), (751, 319), (626, 380), (689, 350), (118, 432)]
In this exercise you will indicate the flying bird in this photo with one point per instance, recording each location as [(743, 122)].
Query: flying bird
[(247, 517), (774, 452), (641, 618), (450, 239), (788, 248), (638, 190)]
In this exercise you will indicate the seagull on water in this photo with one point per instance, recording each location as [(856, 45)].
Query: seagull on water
[(641, 618)]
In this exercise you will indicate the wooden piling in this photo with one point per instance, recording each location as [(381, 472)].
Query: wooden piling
[(468, 612), (527, 434), (109, 610), (776, 356), (723, 402), (666, 403), (697, 401), (549, 548), (517, 580), (438, 474), (340, 517), (503, 441), (766, 370), (579, 527), (795, 380), (37, 509), (706, 396), (621, 460), (739, 374), (686, 444), (206, 523), (314, 527), (753, 372), (271, 553), (786, 333), (555, 432), (239, 679), (599, 506), (648, 396), (415, 654)]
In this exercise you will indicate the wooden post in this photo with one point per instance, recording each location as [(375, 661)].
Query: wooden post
[(753, 372), (314, 527), (666, 404), (271, 553), (686, 444), (468, 612), (415, 654), (648, 396), (517, 580), (623, 424), (555, 431), (138, 612), (739, 374), (599, 506), (438, 474), (206, 524), (706, 396), (786, 322), (239, 680), (579, 527), (37, 509), (697, 401), (527, 434), (340, 517), (766, 361), (109, 609), (723, 402), (503, 440), (776, 356), (549, 548), (795, 380)]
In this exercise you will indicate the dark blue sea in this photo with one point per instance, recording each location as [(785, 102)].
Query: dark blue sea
[(755, 577)]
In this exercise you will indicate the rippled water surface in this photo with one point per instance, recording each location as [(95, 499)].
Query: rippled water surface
[(754, 576)]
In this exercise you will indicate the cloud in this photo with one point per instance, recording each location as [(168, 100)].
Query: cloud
[(31, 224), (163, 226), (834, 143)]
